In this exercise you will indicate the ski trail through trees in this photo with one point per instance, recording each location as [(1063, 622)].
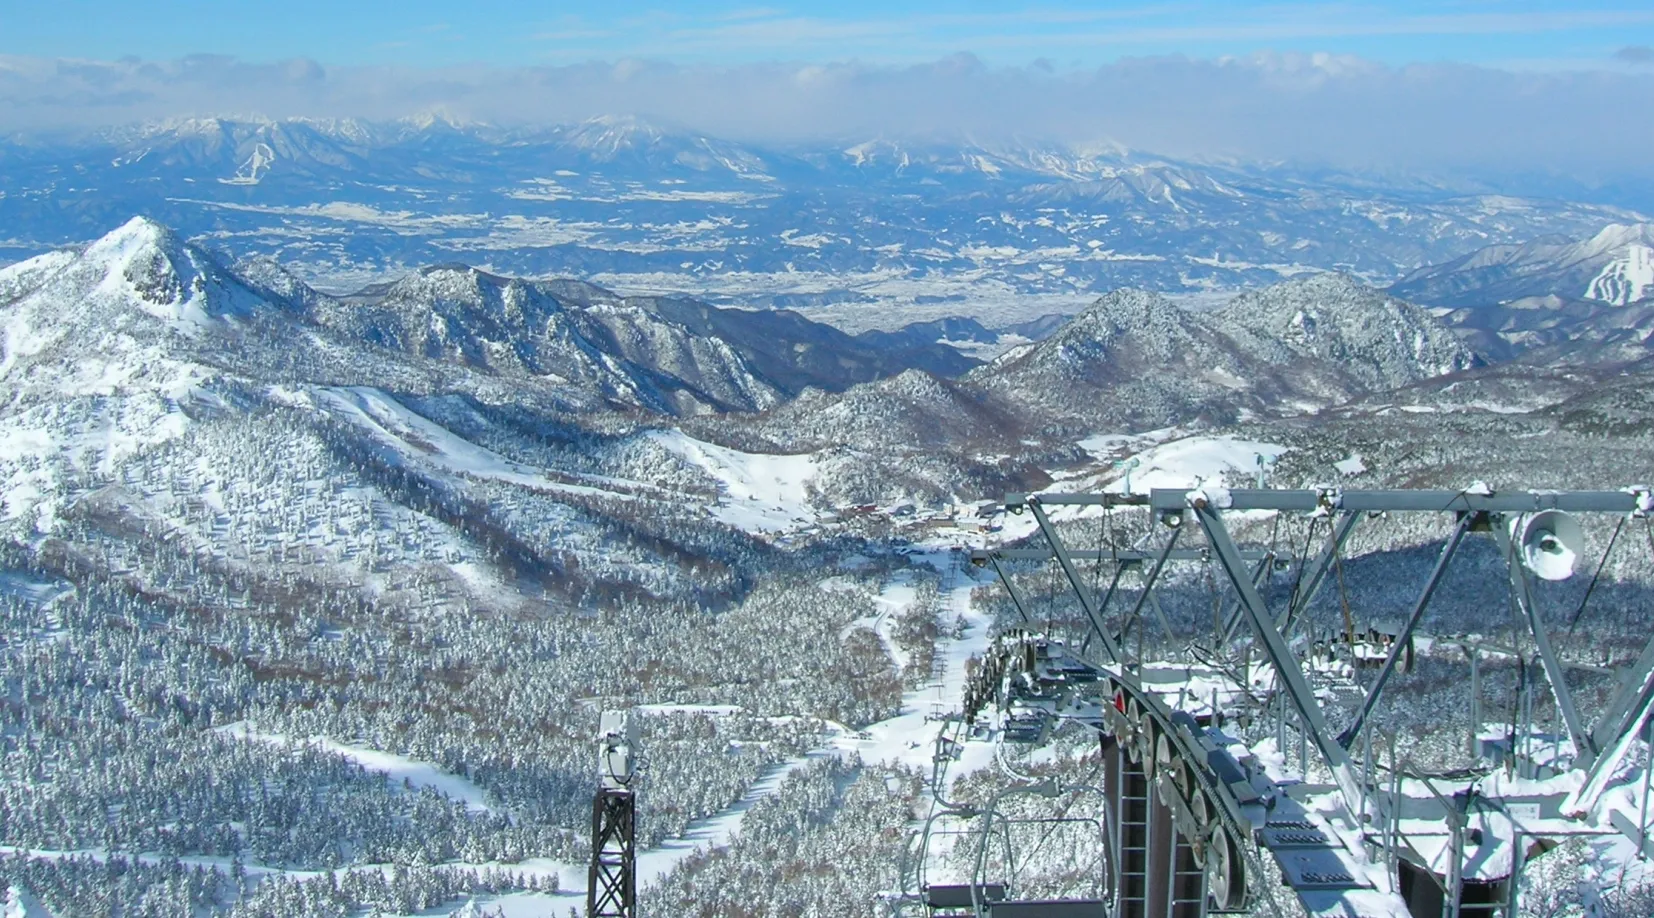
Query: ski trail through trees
[(908, 738)]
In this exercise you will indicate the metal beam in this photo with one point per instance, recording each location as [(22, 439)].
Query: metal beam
[(1092, 611), (1281, 658), (1108, 597), (1636, 684), (1013, 501), (1375, 500), (1123, 555), (1307, 501), (1232, 618), (1348, 737), (1159, 613), (1148, 583), (1586, 750)]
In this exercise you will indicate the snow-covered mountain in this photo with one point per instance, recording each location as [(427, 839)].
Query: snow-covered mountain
[(1582, 302), (631, 142), (457, 314), (154, 393), (1132, 362), (1615, 266), (668, 354), (1015, 226), (1295, 346), (139, 304)]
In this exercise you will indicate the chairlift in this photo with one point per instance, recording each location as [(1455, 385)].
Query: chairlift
[(948, 897), (1012, 905)]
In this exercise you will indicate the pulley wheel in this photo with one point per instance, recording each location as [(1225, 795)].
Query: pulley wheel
[(1166, 762), (1200, 810), (1225, 874)]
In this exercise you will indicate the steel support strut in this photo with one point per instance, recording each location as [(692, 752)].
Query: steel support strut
[(1092, 611), (1281, 658), (611, 883), (1148, 585), (1348, 737), (1585, 751), (1232, 618), (1616, 731), (1016, 596)]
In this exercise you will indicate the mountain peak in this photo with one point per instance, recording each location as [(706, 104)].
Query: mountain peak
[(143, 263), (609, 135), (1129, 307), (1372, 336), (1619, 235), (135, 233), (147, 258), (137, 306)]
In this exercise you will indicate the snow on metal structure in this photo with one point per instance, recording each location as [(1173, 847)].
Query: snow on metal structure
[(611, 889), (1410, 844)]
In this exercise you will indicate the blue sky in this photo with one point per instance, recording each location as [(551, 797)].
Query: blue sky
[(1063, 33)]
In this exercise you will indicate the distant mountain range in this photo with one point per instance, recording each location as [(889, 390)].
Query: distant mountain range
[(1615, 266), (1013, 230), (1590, 301)]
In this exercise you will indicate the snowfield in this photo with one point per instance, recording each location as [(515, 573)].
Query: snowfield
[(1195, 460), (759, 492)]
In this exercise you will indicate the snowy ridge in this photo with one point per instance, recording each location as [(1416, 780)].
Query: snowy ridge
[(1613, 266), (1137, 359)]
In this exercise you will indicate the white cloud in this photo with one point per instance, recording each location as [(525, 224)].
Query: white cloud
[(1336, 109)]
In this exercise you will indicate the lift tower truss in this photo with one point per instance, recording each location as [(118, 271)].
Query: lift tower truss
[(611, 889), (1342, 848)]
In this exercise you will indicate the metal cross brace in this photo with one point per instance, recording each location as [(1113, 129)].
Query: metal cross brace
[(1092, 610), (1281, 658), (1348, 737), (1317, 572), (1148, 584), (1232, 618), (1585, 750), (1016, 596), (1616, 731)]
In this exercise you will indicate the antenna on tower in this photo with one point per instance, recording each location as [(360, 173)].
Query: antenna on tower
[(1265, 463), (611, 888), (1128, 465)]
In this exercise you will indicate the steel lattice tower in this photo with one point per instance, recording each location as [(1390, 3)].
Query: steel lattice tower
[(611, 883)]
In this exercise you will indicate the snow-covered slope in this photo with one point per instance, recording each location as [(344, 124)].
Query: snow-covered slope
[(154, 394), (458, 314), (669, 355), (1137, 359), (1615, 266), (136, 289)]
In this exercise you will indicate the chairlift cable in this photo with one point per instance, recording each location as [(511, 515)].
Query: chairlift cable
[(1303, 559), (1344, 596), (1593, 584)]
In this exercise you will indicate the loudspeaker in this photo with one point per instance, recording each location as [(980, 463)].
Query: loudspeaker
[(1550, 543)]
